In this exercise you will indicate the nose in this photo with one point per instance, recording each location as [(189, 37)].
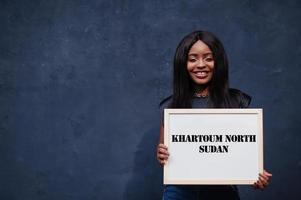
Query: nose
[(201, 63)]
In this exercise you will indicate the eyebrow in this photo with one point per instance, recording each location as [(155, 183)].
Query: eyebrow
[(195, 54)]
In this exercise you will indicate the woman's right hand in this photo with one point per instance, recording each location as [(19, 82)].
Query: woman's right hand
[(162, 154)]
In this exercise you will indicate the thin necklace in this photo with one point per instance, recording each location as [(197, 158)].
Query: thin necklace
[(201, 95)]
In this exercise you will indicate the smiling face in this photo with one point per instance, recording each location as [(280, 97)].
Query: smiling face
[(200, 63)]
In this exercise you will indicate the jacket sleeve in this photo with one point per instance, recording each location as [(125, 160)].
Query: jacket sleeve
[(164, 104), (241, 98)]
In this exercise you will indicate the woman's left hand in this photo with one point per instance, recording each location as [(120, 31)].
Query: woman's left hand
[(263, 180)]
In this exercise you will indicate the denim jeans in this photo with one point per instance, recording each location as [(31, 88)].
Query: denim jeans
[(200, 192)]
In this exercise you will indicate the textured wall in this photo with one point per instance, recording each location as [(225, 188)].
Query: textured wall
[(80, 83)]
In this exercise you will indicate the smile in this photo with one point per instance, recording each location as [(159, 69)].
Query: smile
[(201, 74)]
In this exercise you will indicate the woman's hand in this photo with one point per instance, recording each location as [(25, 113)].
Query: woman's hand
[(162, 154), (263, 180)]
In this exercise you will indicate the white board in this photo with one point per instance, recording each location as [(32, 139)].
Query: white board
[(185, 130)]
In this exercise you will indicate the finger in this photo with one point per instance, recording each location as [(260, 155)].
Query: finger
[(266, 178), (162, 156), (267, 173), (260, 185), (162, 162), (161, 145), (257, 185), (163, 151), (263, 181)]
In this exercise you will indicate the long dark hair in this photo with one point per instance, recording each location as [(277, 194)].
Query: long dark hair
[(183, 86)]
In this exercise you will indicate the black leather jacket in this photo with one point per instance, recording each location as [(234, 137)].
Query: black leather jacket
[(238, 99)]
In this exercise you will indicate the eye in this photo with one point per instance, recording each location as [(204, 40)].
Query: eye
[(192, 60), (209, 59)]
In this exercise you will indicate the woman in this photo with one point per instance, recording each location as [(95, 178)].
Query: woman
[(201, 81)]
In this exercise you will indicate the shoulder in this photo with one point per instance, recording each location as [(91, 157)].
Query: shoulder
[(165, 103), (240, 98)]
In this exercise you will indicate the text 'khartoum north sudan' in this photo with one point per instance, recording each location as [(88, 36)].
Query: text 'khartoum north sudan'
[(213, 139)]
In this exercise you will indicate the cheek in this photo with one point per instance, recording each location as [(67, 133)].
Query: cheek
[(211, 65), (189, 66)]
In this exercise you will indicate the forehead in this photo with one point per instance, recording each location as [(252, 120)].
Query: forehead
[(199, 48)]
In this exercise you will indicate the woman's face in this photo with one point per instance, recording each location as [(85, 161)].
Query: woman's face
[(200, 63)]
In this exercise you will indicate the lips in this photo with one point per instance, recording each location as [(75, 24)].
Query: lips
[(201, 74)]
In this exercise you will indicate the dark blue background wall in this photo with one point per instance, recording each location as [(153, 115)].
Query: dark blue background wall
[(80, 83)]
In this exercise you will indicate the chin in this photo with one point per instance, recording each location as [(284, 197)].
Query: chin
[(202, 81)]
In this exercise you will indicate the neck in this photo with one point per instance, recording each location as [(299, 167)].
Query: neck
[(201, 90)]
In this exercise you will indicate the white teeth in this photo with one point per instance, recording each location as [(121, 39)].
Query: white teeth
[(201, 73)]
